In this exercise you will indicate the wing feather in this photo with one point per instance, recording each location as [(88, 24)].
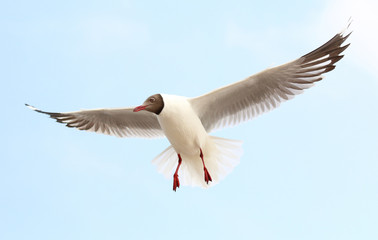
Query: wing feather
[(264, 91), (120, 122)]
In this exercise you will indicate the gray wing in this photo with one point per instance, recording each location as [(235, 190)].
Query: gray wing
[(265, 91), (120, 122)]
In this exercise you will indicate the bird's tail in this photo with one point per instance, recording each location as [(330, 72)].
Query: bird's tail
[(220, 156)]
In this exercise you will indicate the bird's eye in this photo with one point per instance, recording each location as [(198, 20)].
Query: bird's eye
[(152, 100)]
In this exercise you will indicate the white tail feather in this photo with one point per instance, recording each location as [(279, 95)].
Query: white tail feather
[(220, 155)]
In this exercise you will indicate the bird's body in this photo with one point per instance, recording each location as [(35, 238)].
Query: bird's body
[(182, 126), (198, 158), (188, 137)]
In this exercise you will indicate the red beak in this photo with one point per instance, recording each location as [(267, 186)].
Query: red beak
[(140, 108)]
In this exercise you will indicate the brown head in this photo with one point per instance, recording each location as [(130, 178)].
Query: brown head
[(154, 104)]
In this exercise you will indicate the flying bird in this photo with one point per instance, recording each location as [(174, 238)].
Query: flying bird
[(195, 158)]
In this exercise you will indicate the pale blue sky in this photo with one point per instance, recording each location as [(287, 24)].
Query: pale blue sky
[(309, 169)]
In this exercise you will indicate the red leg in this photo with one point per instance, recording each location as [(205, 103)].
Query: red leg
[(176, 182), (206, 173)]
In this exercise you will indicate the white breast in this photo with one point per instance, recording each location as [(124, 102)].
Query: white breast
[(182, 126)]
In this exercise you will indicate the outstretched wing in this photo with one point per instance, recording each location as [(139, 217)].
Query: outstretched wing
[(264, 91), (120, 122)]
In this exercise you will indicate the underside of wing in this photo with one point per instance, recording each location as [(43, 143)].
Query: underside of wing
[(264, 91), (120, 122)]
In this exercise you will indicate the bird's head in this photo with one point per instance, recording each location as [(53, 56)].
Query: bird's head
[(154, 104)]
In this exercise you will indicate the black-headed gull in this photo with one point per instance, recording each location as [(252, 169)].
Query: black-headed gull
[(187, 122)]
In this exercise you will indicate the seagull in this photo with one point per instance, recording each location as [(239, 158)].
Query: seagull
[(197, 157)]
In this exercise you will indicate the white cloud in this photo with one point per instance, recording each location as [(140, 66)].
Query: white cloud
[(363, 50)]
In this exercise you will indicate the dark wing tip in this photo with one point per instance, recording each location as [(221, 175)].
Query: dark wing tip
[(51, 114), (67, 119), (332, 48), (323, 59), (33, 108), (325, 56)]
